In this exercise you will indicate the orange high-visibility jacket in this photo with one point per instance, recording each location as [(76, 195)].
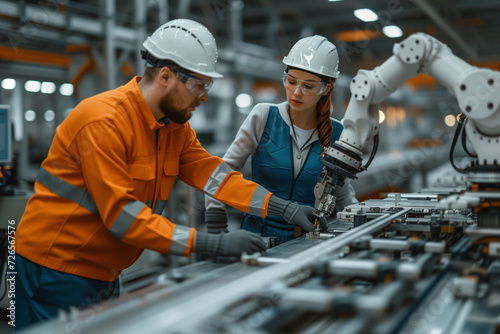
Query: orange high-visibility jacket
[(107, 177)]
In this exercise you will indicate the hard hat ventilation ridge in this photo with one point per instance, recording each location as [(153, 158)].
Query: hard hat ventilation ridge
[(186, 30)]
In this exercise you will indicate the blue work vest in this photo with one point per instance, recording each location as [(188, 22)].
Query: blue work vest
[(272, 168)]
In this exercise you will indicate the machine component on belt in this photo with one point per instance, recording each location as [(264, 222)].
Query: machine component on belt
[(465, 286), (271, 241), (494, 249), (359, 219), (353, 267), (408, 245), (494, 274), (383, 299), (256, 259), (314, 235), (413, 271), (311, 300)]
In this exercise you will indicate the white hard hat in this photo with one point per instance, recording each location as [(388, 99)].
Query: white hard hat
[(314, 54), (187, 43)]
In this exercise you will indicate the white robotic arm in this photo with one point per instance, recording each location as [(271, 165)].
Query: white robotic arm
[(477, 92)]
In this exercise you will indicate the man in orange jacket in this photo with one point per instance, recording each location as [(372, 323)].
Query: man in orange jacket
[(109, 172)]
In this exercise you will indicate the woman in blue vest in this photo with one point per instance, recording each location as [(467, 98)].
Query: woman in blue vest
[(286, 140)]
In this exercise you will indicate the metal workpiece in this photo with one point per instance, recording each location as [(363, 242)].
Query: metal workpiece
[(413, 196), (494, 249), (383, 299), (406, 245), (413, 271), (319, 235), (478, 233), (310, 300), (465, 286), (353, 267), (256, 259)]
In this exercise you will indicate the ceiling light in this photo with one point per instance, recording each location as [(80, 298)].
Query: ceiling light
[(48, 87), (49, 115), (366, 15), (32, 86), (244, 100), (30, 115), (66, 89), (8, 83), (392, 31), (334, 0)]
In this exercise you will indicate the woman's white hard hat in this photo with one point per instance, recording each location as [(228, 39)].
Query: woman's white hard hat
[(314, 54)]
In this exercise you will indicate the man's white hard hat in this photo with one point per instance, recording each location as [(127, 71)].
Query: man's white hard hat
[(187, 43)]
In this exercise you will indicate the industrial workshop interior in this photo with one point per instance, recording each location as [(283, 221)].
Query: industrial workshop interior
[(160, 172)]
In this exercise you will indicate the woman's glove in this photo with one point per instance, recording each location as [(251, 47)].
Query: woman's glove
[(293, 213), (216, 221)]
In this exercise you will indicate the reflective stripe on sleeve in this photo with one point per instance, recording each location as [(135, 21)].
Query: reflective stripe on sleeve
[(257, 201), (126, 218), (66, 190), (215, 180), (180, 239), (159, 206)]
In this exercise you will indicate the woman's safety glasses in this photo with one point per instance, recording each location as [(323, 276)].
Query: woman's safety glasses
[(307, 87), (194, 85)]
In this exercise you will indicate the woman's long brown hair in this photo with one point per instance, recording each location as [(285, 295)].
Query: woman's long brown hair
[(324, 125)]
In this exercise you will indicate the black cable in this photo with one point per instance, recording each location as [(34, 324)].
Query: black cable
[(372, 155), (454, 142), (464, 143)]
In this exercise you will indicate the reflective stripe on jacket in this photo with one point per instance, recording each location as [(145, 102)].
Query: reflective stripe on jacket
[(106, 179)]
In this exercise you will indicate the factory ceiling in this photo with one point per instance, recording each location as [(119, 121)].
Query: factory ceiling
[(259, 28)]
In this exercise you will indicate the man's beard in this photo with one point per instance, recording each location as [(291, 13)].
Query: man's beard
[(174, 114)]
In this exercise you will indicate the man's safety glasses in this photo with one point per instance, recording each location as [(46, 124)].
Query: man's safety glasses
[(307, 87), (194, 85)]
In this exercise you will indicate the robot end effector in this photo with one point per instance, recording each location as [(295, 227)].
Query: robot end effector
[(477, 92)]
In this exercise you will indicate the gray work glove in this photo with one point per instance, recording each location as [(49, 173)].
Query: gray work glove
[(294, 213), (229, 244), (216, 221)]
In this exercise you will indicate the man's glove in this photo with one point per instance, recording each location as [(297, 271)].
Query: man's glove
[(292, 212), (229, 244), (216, 221)]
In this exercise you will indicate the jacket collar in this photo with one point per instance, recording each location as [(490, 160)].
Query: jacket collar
[(283, 109), (140, 105)]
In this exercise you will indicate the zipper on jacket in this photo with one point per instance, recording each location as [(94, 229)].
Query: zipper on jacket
[(153, 203)]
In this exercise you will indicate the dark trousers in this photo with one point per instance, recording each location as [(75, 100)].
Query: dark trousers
[(41, 292)]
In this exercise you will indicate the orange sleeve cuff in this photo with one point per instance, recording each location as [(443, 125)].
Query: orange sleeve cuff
[(266, 204)]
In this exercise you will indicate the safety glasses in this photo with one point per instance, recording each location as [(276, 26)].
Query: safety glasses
[(307, 87), (194, 85)]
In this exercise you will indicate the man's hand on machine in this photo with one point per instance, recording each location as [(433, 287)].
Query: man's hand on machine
[(229, 244)]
